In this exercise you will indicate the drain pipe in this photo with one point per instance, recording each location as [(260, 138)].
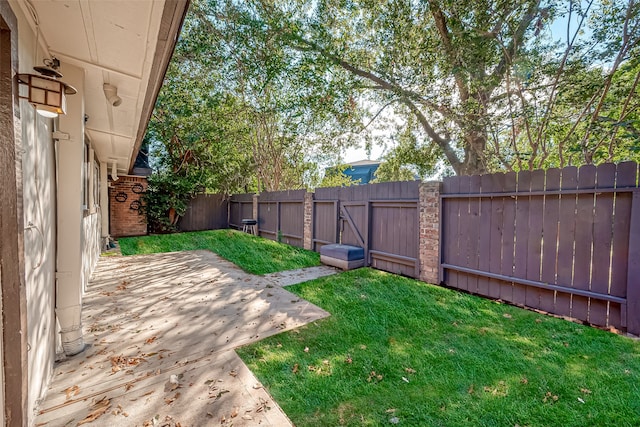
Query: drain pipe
[(70, 258)]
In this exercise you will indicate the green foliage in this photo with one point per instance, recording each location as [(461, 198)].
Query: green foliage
[(166, 199), (335, 176), (484, 83), (398, 348), (253, 254)]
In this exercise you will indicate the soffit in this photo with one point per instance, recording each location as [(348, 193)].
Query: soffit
[(116, 42)]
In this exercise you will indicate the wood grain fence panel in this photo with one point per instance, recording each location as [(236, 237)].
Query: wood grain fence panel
[(292, 222), (584, 241), (602, 234), (633, 269), (463, 232), (495, 225), (521, 236), (484, 235), (268, 220), (534, 295), (566, 239), (473, 221), (626, 176), (508, 235), (450, 223), (550, 238)]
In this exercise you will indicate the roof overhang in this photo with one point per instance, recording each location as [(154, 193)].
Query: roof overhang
[(124, 43)]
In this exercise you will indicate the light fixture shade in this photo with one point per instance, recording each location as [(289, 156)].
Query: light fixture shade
[(47, 94)]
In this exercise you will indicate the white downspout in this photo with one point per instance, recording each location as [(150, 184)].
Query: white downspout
[(70, 216)]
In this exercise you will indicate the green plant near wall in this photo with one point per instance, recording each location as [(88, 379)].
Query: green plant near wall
[(166, 200)]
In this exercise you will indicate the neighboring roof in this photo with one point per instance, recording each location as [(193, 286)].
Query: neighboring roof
[(127, 44), (365, 162)]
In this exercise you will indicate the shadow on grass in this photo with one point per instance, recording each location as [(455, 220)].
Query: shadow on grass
[(398, 348)]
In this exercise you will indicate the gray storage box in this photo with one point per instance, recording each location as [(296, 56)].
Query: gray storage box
[(342, 256)]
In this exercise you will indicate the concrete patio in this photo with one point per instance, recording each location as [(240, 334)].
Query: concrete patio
[(160, 332)]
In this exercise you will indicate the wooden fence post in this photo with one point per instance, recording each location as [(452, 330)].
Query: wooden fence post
[(633, 268), (429, 223)]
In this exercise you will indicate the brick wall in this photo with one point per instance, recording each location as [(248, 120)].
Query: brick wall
[(429, 223), (307, 230), (124, 220)]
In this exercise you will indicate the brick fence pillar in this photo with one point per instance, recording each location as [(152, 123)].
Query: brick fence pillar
[(430, 231), (307, 235), (255, 207)]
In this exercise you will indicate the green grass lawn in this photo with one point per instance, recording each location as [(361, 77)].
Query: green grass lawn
[(400, 351), (253, 254)]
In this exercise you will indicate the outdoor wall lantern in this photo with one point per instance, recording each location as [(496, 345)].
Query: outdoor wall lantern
[(45, 92)]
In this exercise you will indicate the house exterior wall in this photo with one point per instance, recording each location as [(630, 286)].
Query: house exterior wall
[(39, 215), (124, 220)]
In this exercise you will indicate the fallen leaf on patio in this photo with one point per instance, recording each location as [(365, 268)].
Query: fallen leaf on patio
[(234, 413), (209, 414), (507, 315), (233, 373), (223, 419), (96, 410), (410, 371), (295, 369), (306, 349), (150, 340), (257, 386), (72, 391), (207, 382), (128, 386), (170, 400), (247, 417)]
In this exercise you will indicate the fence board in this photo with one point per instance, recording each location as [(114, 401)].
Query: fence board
[(521, 236), (450, 224), (495, 224), (508, 236), (534, 248), (602, 232), (583, 242), (550, 239), (626, 178), (566, 239), (463, 232)]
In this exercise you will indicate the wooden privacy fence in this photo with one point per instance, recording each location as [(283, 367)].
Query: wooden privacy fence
[(240, 207), (281, 216), (381, 218), (205, 212), (563, 241)]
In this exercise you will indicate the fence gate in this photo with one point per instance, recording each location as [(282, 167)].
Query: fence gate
[(563, 241), (381, 218)]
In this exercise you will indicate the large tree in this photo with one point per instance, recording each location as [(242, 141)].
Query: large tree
[(465, 70)]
